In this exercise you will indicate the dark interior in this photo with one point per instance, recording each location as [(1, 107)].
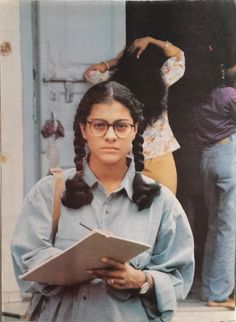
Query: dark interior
[(192, 26)]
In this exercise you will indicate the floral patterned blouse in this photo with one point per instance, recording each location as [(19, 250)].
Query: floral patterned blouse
[(158, 137)]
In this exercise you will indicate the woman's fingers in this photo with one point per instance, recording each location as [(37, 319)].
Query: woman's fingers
[(96, 67), (118, 275), (113, 263), (139, 53), (114, 269), (139, 45), (105, 273), (116, 283)]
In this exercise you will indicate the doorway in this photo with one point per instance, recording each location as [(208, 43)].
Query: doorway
[(192, 26)]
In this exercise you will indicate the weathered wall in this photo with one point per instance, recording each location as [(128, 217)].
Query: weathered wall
[(11, 136)]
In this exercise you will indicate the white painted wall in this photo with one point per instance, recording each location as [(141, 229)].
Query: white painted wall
[(12, 139), (101, 33)]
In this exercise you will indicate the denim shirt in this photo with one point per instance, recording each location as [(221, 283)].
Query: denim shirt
[(164, 226)]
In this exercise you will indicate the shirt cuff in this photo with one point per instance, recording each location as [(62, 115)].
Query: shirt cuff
[(165, 294)]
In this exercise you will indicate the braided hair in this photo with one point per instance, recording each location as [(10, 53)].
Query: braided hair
[(78, 193)]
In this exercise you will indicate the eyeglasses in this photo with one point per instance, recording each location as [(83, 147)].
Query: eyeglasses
[(99, 128)]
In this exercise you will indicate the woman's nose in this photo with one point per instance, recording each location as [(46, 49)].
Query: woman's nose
[(110, 134)]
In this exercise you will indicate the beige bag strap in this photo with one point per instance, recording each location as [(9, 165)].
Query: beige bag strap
[(57, 194), (33, 311)]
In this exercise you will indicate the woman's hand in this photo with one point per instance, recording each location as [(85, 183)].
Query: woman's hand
[(101, 67), (120, 275), (139, 45)]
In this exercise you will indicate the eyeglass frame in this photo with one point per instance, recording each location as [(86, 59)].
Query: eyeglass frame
[(108, 126)]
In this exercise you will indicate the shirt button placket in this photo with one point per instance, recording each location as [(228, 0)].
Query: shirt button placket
[(106, 213), (84, 297)]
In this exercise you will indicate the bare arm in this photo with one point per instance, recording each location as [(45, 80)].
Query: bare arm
[(138, 45), (141, 44), (104, 65)]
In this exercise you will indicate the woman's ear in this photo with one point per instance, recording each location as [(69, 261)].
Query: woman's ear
[(83, 130)]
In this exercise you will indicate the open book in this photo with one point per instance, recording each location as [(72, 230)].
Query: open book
[(70, 266)]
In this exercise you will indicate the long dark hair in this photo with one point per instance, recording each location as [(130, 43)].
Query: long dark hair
[(78, 193), (144, 78)]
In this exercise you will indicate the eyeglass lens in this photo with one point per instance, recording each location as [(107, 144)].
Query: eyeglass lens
[(100, 128)]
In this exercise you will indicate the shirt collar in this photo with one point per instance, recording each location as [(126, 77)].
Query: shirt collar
[(126, 184)]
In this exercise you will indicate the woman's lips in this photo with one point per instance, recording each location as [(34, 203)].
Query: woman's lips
[(110, 148)]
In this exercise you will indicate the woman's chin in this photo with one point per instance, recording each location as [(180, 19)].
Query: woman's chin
[(111, 159)]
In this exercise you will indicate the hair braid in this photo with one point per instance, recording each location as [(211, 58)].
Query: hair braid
[(79, 147), (77, 193), (144, 192), (138, 152)]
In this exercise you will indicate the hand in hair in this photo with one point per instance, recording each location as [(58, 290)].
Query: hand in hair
[(101, 67), (139, 45)]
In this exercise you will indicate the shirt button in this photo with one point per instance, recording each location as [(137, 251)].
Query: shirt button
[(84, 298), (106, 212)]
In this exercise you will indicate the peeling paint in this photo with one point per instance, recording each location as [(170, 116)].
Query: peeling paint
[(5, 48), (4, 157)]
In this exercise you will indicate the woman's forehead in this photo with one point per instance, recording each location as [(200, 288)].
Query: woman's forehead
[(110, 110)]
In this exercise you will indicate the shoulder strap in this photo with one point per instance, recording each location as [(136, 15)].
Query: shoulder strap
[(57, 193)]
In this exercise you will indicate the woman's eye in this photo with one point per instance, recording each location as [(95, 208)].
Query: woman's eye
[(121, 126), (100, 125)]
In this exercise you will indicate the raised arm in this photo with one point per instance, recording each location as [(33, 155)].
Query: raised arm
[(104, 65), (141, 44), (173, 69), (174, 66)]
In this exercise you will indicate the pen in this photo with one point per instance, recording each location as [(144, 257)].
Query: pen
[(85, 226)]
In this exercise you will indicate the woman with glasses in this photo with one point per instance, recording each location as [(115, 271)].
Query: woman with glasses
[(149, 67), (106, 191)]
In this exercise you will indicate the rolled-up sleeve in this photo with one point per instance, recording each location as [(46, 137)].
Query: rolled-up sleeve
[(172, 262), (232, 108), (31, 243), (173, 69)]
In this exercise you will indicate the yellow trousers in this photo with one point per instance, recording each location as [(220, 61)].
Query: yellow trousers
[(162, 169)]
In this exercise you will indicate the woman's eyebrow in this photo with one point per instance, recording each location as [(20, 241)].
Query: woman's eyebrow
[(118, 120)]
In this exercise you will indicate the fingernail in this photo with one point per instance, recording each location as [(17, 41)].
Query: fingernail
[(104, 259), (89, 272)]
